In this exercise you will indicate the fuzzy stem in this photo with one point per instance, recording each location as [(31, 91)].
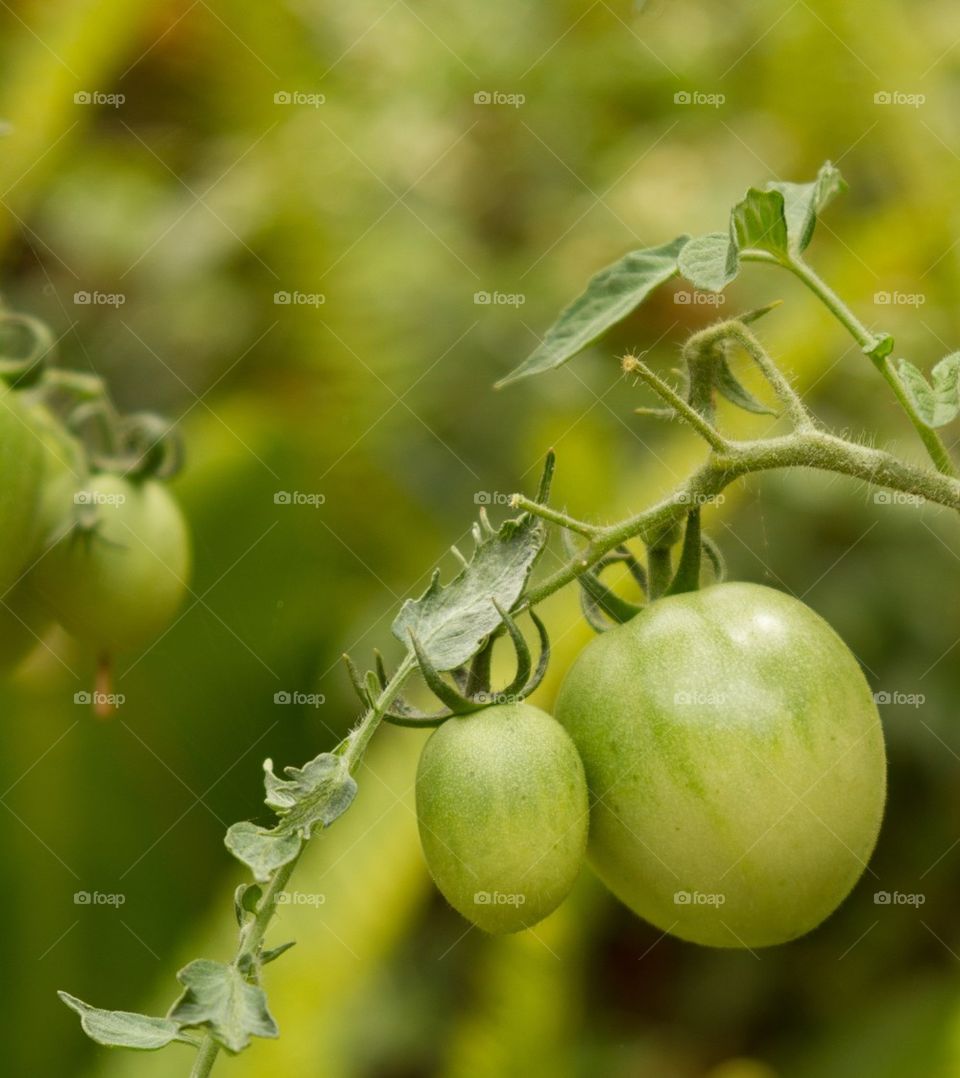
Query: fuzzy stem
[(938, 452)]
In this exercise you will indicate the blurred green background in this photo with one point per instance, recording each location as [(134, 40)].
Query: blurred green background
[(221, 153)]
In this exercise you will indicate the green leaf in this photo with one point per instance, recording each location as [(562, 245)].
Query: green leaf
[(758, 221), (124, 1029), (879, 346), (452, 620), (728, 385), (936, 404), (273, 953), (802, 202), (315, 794), (217, 996), (609, 297), (710, 262), (245, 899)]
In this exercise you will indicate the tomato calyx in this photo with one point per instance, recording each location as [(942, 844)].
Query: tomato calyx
[(470, 688)]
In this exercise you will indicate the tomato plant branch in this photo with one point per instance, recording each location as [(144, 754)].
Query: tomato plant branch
[(252, 933), (869, 343), (801, 449)]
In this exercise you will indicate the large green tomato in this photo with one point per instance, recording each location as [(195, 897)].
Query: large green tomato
[(118, 581), (503, 813), (735, 761), (21, 475), (24, 619)]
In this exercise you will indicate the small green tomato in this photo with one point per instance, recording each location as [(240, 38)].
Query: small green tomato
[(116, 580), (502, 809)]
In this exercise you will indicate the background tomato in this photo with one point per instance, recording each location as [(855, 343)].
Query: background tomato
[(736, 764), (119, 581), (502, 810), (21, 469)]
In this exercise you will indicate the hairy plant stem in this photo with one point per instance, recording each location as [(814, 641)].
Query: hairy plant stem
[(801, 449), (868, 342), (253, 931)]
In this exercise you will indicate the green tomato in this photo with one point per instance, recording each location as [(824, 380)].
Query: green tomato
[(735, 761), (23, 621), (117, 579), (503, 813), (64, 473), (21, 468)]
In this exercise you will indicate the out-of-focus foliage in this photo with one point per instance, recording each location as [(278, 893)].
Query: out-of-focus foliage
[(394, 207)]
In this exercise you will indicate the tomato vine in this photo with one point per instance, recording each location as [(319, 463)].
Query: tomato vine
[(449, 630)]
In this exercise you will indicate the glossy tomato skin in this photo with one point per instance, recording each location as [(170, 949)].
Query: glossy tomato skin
[(736, 764), (503, 813), (21, 469), (119, 582)]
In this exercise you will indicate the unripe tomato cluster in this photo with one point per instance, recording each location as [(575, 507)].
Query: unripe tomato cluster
[(104, 555), (723, 751)]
